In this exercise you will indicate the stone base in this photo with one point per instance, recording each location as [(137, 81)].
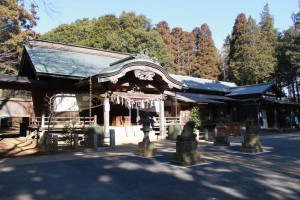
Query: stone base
[(186, 159), (251, 144), (251, 150), (221, 141), (186, 154), (146, 149)]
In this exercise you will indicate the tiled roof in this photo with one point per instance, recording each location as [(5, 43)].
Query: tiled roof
[(68, 60), (250, 89), (191, 97), (204, 84)]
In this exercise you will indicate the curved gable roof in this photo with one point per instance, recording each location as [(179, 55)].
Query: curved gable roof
[(144, 64), (68, 60), (52, 58)]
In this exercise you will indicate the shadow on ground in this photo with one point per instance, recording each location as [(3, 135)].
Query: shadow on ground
[(121, 175)]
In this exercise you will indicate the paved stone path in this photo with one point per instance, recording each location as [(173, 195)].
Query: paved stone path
[(118, 174)]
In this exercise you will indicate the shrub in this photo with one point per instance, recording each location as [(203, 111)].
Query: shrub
[(196, 117)]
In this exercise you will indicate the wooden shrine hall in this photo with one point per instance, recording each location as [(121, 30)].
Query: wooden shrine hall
[(114, 89), (111, 85)]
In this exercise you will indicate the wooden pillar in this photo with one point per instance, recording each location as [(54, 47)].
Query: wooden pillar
[(76, 141), (43, 120), (258, 114), (162, 128), (55, 143), (106, 116), (275, 118)]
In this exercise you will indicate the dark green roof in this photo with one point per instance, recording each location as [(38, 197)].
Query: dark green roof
[(250, 89), (70, 60), (204, 84)]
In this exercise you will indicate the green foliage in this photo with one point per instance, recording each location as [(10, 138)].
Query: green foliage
[(267, 45), (196, 117), (16, 25), (288, 68), (129, 33), (252, 55)]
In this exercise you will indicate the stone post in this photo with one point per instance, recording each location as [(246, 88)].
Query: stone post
[(162, 128), (106, 116), (112, 138), (197, 135), (43, 120), (95, 140), (75, 141), (55, 143)]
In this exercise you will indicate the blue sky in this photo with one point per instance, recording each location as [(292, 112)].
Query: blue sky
[(187, 14)]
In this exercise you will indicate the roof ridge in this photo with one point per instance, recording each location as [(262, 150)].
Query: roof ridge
[(64, 46), (202, 78), (254, 85)]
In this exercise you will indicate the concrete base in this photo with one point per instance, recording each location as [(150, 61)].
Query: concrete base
[(146, 149), (186, 154), (221, 141), (251, 144)]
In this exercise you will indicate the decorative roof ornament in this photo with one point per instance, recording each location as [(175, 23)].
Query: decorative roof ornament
[(144, 75), (144, 54)]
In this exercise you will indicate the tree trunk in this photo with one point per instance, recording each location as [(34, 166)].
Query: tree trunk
[(297, 90), (293, 90)]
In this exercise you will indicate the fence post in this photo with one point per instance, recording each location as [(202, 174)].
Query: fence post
[(43, 120), (75, 141), (112, 136), (95, 141), (55, 143)]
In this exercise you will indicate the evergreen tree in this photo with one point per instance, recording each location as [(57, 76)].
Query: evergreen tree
[(16, 25), (287, 72), (128, 33), (224, 55), (244, 55), (250, 72), (234, 59), (268, 44)]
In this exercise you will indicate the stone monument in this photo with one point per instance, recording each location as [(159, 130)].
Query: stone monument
[(186, 147), (251, 142), (146, 148), (221, 138)]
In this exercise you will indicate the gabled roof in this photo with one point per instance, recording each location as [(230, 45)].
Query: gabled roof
[(204, 84), (69, 60), (57, 59), (250, 89), (191, 97)]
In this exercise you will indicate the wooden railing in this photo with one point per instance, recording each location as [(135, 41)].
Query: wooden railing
[(169, 121), (172, 120), (61, 122)]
